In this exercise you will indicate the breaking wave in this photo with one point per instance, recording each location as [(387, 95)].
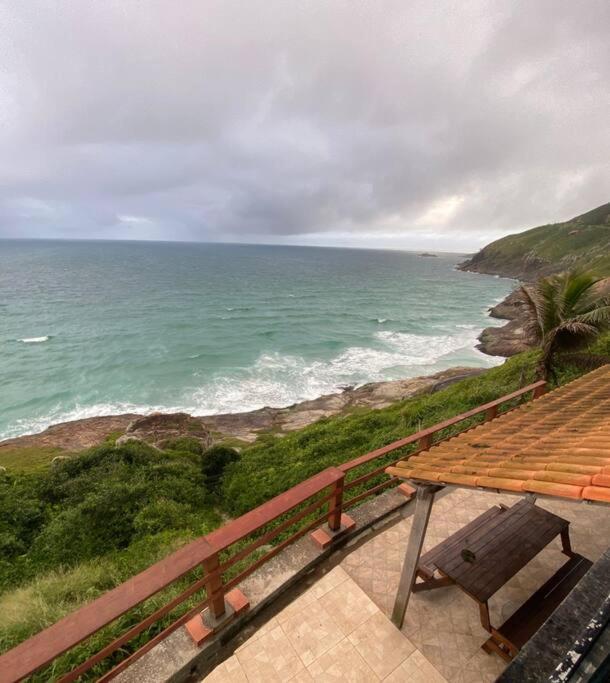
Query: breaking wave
[(277, 380), (34, 340)]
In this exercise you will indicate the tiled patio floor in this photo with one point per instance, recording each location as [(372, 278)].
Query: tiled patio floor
[(340, 629), (332, 632)]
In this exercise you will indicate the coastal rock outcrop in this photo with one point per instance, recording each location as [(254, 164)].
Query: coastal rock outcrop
[(511, 338), (160, 429)]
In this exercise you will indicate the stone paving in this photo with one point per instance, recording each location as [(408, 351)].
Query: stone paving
[(339, 629)]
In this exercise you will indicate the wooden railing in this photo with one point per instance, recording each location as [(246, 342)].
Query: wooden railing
[(216, 554)]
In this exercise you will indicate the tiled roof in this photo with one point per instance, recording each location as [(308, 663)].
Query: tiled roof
[(557, 445)]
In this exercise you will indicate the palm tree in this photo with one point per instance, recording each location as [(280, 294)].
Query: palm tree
[(565, 313)]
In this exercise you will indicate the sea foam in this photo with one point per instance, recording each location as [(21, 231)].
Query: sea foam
[(278, 380), (34, 340)]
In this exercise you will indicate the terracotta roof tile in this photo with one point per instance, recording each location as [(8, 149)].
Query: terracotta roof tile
[(601, 480), (599, 493), (571, 467), (507, 473), (551, 488), (462, 479), (501, 483), (563, 477), (557, 445)]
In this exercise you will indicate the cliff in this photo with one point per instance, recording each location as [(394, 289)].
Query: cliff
[(582, 242)]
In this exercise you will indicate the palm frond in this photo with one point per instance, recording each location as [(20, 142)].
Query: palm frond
[(564, 313), (572, 335), (547, 297), (533, 323), (576, 327), (598, 317), (575, 285)]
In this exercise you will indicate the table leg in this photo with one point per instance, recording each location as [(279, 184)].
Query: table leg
[(484, 613), (565, 542)]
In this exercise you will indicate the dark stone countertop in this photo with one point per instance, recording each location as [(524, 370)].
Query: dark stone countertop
[(560, 639)]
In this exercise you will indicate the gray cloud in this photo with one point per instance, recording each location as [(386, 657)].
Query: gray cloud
[(382, 123)]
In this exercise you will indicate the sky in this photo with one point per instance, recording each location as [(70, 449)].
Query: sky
[(415, 125)]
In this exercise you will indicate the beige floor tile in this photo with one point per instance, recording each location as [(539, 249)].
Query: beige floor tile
[(415, 669), (312, 632), (335, 577), (295, 607), (349, 605), (341, 663), (327, 583), (265, 628), (482, 667), (230, 671), (382, 646), (270, 658)]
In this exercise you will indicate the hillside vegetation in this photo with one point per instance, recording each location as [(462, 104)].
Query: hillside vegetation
[(74, 529), (582, 242)]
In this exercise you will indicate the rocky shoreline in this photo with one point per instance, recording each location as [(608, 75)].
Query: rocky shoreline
[(79, 435), (511, 338)]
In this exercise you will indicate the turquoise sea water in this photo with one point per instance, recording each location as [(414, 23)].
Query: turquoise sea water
[(92, 328)]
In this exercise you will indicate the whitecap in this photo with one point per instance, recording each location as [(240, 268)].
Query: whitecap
[(277, 380), (34, 340)]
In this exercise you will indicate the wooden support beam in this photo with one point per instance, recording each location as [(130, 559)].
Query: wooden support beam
[(423, 506)]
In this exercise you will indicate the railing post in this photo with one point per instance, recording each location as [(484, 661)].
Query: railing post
[(213, 586), (338, 523), (335, 505), (425, 442), (221, 608), (540, 391), (491, 413)]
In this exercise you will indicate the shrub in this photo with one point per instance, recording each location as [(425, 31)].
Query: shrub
[(214, 462), (93, 504), (161, 515), (184, 444)]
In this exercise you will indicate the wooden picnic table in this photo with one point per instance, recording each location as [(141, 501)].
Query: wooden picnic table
[(484, 555)]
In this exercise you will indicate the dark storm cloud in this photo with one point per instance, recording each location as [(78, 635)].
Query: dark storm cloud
[(386, 123)]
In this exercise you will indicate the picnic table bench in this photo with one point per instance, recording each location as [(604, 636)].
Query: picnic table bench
[(484, 555)]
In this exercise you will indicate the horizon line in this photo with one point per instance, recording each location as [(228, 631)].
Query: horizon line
[(230, 244)]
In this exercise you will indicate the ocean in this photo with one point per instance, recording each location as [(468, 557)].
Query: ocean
[(97, 328)]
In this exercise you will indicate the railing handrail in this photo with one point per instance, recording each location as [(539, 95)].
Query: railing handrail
[(45, 646)]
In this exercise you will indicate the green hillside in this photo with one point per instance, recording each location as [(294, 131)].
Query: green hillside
[(582, 242)]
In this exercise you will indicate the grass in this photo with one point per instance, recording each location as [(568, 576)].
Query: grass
[(29, 459), (48, 598)]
